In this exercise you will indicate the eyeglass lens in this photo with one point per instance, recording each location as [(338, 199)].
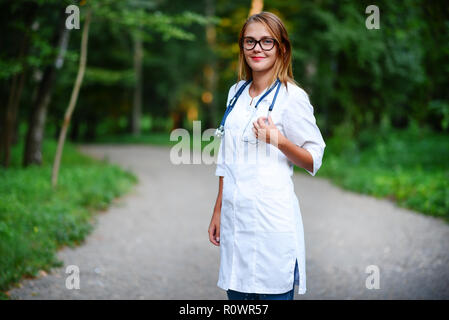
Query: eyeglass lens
[(265, 43)]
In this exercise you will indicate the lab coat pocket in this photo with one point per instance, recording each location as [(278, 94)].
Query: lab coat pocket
[(274, 257), (275, 213), (275, 205)]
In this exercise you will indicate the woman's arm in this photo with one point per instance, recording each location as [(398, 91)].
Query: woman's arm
[(214, 226), (265, 128), (217, 207), (299, 156)]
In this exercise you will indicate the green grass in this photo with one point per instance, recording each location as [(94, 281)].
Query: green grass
[(35, 220), (409, 166)]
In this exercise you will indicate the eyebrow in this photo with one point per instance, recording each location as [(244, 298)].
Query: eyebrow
[(260, 38)]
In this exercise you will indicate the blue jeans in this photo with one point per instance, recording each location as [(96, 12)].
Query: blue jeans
[(236, 295)]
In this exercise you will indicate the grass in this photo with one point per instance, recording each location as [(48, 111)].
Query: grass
[(36, 221), (409, 166)]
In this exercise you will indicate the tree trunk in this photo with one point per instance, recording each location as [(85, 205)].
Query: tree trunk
[(10, 115), (210, 70), (137, 103), (36, 122), (256, 7), (73, 98), (18, 81)]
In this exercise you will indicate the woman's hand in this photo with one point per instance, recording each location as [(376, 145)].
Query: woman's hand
[(266, 131), (214, 228)]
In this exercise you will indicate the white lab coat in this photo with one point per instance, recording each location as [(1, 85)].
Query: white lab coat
[(261, 229)]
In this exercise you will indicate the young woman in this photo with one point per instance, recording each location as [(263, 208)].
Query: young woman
[(257, 219)]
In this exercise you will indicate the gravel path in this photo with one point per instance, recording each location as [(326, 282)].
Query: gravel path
[(153, 242)]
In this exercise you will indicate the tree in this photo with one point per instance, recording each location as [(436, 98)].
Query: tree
[(17, 84), (138, 73), (256, 7), (36, 122), (73, 98)]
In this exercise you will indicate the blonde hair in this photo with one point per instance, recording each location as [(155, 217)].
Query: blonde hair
[(283, 65)]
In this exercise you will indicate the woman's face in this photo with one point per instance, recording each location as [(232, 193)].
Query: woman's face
[(266, 59)]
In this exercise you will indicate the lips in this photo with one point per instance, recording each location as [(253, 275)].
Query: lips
[(257, 58)]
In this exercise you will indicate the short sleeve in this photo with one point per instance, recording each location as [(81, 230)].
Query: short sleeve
[(300, 127), (220, 171)]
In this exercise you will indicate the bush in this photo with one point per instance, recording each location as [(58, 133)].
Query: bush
[(35, 220), (409, 166)]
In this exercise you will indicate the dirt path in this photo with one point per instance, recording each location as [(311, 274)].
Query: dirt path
[(153, 243)]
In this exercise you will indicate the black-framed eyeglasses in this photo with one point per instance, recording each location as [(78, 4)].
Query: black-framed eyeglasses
[(249, 43)]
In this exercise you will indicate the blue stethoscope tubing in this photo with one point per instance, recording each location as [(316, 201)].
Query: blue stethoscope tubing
[(220, 130)]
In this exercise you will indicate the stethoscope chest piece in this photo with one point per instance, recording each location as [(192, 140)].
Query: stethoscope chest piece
[(219, 132)]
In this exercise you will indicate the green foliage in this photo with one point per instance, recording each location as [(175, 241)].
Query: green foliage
[(35, 220), (353, 75), (132, 15), (9, 67), (109, 77), (441, 108), (409, 166)]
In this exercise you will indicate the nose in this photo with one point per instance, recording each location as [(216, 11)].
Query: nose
[(258, 47)]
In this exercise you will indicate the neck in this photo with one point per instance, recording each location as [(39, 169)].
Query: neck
[(261, 80)]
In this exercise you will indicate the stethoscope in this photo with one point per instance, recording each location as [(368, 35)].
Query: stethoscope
[(220, 130)]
